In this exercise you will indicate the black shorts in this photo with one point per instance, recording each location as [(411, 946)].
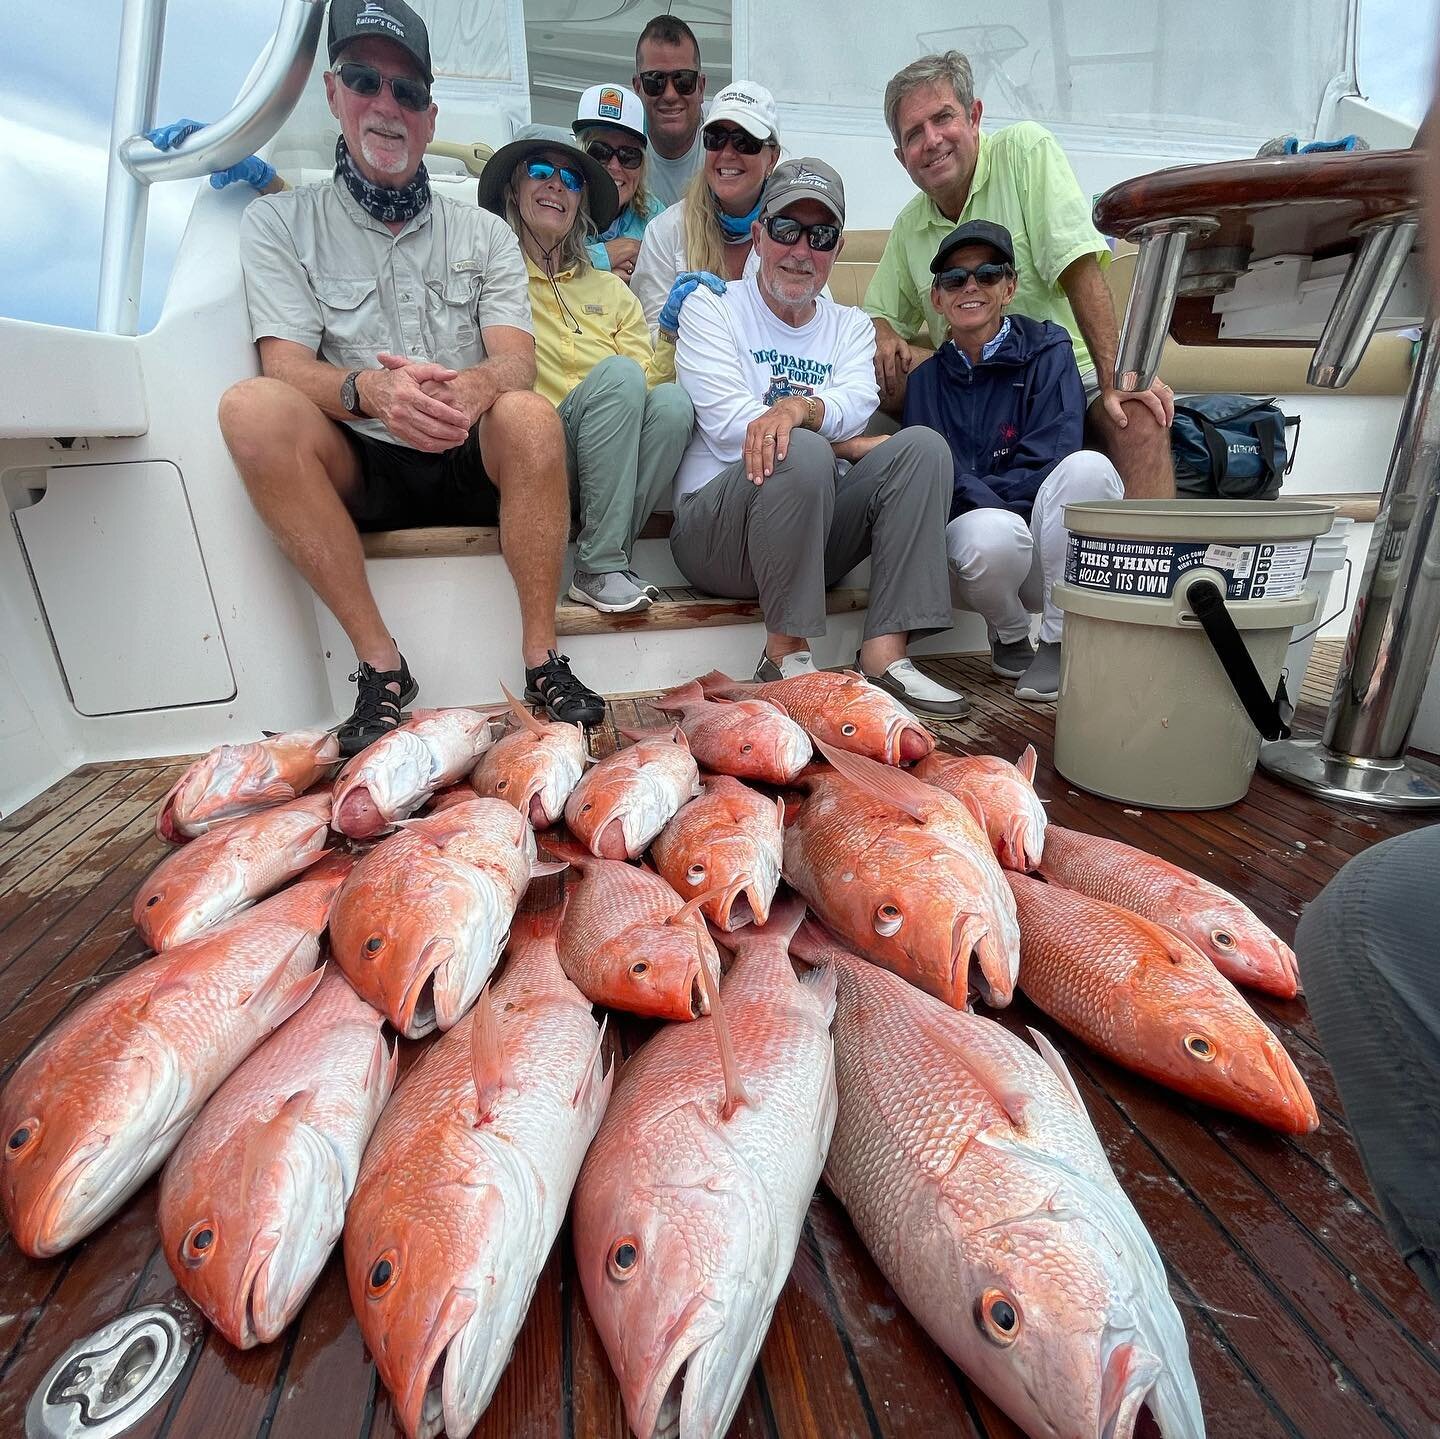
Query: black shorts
[(405, 489)]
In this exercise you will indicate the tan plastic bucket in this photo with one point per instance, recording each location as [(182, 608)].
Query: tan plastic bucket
[(1177, 616)]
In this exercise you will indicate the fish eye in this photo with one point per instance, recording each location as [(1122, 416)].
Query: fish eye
[(1198, 1047), (198, 1244), (888, 919), (746, 748), (847, 729), (382, 1274), (641, 966), (695, 873), (375, 944), (586, 806), (500, 784), (152, 901), (624, 1257), (1222, 940), (22, 1136), (997, 1317)]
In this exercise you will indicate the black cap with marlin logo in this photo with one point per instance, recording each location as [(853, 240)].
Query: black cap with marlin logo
[(391, 20)]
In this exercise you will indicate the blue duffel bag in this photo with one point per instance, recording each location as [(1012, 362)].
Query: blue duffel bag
[(1233, 447)]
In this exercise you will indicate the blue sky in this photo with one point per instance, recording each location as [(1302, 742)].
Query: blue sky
[(57, 83)]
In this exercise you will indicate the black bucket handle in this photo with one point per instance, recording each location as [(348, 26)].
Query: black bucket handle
[(1269, 716)]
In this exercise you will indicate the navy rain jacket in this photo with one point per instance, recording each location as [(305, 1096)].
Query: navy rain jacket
[(1009, 420)]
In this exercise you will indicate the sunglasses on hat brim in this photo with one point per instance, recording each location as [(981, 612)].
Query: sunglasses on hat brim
[(573, 180), (786, 231), (653, 82), (367, 81), (716, 138), (989, 274), (631, 157)]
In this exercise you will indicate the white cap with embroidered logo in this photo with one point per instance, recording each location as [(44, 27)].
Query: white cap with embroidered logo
[(751, 107), (611, 105)]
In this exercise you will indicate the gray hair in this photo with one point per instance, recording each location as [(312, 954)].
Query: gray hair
[(952, 68)]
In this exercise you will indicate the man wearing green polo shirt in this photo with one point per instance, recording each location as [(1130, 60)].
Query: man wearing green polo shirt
[(1017, 177)]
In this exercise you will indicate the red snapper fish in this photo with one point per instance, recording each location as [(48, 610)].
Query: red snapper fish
[(731, 837), (977, 1182), (1013, 816), (629, 796), (628, 940), (466, 1183), (534, 766), (226, 870), (420, 923), (1240, 945), (237, 779), (393, 777), (253, 1200), (1148, 999), (904, 873), (750, 739), (97, 1106), (689, 1207), (843, 709)]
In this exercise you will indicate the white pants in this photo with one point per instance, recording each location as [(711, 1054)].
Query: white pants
[(1004, 569)]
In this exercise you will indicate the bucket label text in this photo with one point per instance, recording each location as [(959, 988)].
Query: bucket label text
[(1152, 568)]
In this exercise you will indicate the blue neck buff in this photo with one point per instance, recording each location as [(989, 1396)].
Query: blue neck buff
[(736, 228)]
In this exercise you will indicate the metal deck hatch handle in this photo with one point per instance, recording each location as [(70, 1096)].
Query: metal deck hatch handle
[(1269, 716), (104, 1383)]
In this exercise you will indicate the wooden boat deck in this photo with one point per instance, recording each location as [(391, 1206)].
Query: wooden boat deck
[(1302, 1319)]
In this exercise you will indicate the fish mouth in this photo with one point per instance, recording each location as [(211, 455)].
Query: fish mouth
[(417, 1014), (664, 1389), (1129, 1379), (54, 1232), (422, 1405), (610, 839), (699, 1003), (254, 1327), (1297, 1104), (540, 817), (742, 904), (906, 740)]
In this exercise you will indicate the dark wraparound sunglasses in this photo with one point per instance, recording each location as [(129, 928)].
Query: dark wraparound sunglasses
[(653, 82), (542, 170), (366, 80), (631, 157), (987, 274), (785, 231), (744, 143)]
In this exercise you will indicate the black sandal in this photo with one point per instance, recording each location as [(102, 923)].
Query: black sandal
[(377, 709), (565, 698)]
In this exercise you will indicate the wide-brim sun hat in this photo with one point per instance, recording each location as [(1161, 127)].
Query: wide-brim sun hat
[(611, 107), (536, 139)]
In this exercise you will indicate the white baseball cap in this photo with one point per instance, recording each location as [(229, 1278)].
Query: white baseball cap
[(616, 105), (750, 106)]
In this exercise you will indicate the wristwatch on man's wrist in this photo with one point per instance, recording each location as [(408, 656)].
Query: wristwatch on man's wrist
[(350, 396), (812, 412)]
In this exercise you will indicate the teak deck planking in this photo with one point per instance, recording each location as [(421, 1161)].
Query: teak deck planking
[(1303, 1321)]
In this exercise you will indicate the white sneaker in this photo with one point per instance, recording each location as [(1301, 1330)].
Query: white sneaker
[(800, 663), (919, 691)]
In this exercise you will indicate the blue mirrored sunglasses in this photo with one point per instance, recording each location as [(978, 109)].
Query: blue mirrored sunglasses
[(542, 170)]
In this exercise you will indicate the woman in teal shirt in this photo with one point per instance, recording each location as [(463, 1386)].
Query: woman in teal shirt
[(611, 129)]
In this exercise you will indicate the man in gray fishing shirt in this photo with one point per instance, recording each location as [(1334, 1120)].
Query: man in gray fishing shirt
[(397, 362)]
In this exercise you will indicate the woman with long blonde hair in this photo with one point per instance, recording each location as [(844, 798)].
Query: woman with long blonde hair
[(706, 238), (610, 126)]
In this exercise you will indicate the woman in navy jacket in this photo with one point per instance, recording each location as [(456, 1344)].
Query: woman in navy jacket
[(1005, 392)]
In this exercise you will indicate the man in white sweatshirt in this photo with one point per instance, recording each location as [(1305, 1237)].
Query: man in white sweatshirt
[(783, 384)]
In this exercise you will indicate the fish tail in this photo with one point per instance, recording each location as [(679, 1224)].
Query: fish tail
[(718, 685)]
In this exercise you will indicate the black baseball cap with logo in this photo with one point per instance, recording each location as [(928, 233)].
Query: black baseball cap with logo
[(975, 232), (391, 20)]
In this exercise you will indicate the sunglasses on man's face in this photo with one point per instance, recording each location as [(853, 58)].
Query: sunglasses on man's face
[(988, 275), (366, 80), (744, 143), (542, 170), (785, 231), (653, 82), (631, 157)]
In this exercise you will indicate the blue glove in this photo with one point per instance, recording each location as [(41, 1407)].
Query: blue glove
[(685, 285), (252, 170)]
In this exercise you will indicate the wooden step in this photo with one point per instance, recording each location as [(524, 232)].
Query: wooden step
[(457, 541), (686, 609)]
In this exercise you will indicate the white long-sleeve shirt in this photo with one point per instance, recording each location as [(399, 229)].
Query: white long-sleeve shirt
[(736, 357), (662, 261)]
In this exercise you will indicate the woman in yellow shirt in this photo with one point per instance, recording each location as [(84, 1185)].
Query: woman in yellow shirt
[(625, 432)]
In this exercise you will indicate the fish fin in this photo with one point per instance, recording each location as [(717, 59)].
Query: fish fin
[(735, 1094), (974, 807), (1052, 1057), (691, 907), (653, 732), (592, 1068), (541, 867), (718, 685), (523, 715), (291, 999), (262, 1142), (488, 1063), (896, 787), (553, 843), (823, 982), (681, 697), (780, 813), (991, 1075), (1026, 763), (812, 943)]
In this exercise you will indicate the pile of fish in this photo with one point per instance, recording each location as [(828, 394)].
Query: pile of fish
[(839, 1038)]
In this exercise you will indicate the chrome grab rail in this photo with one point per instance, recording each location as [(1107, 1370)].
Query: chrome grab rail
[(135, 163)]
